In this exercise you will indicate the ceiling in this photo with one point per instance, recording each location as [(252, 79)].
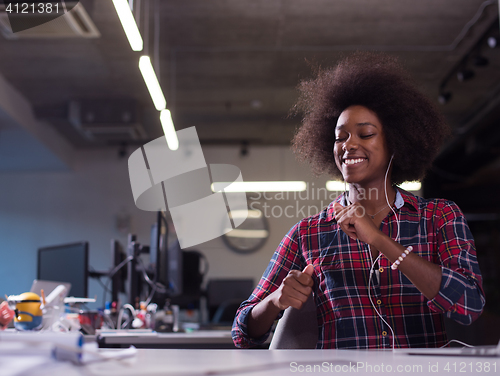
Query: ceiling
[(231, 67)]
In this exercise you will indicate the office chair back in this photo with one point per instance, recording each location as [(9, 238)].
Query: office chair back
[(297, 329)]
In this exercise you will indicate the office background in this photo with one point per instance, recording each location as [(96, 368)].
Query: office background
[(230, 69)]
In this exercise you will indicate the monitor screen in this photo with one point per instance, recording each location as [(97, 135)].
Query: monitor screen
[(118, 255), (66, 263), (166, 254)]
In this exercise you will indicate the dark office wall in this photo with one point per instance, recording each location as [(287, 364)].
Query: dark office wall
[(475, 189)]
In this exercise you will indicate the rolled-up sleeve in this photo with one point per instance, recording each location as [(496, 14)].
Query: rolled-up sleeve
[(286, 257), (461, 295)]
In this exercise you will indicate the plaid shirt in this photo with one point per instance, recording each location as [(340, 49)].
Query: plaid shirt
[(438, 232)]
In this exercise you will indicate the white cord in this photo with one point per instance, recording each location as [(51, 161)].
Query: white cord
[(380, 254), (457, 341), (120, 315), (370, 297), (387, 198)]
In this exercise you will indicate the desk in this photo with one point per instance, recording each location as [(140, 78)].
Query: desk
[(274, 362), (201, 339)]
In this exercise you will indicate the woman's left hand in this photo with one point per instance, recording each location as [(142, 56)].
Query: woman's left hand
[(354, 221)]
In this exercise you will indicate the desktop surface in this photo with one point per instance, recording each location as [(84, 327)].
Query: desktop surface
[(274, 362), (200, 339), (286, 362)]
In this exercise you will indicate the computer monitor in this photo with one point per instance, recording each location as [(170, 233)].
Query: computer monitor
[(227, 294), (166, 255), (66, 263), (118, 255)]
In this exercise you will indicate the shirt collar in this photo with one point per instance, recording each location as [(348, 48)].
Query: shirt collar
[(403, 198)]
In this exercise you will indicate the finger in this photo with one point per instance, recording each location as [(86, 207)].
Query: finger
[(299, 281), (300, 295), (288, 301), (309, 270), (337, 207), (347, 212), (288, 296), (339, 210), (302, 278), (346, 223), (295, 298)]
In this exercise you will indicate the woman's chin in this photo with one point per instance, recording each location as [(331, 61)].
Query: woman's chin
[(349, 179)]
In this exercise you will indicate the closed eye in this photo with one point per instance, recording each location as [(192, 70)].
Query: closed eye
[(367, 135)]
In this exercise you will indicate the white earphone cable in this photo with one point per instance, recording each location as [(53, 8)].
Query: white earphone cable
[(380, 254)]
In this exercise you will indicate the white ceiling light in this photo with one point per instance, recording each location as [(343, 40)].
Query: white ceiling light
[(339, 186), (129, 25), (246, 214), (149, 75), (411, 186), (260, 186), (238, 233), (169, 129), (335, 185)]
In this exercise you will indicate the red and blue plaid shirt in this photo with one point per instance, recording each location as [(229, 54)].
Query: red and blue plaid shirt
[(438, 232)]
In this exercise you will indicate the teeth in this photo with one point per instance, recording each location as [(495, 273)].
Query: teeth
[(353, 161)]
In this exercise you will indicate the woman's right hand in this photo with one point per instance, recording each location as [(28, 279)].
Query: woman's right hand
[(294, 290)]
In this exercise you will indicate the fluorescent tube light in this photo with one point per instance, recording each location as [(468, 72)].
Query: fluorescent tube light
[(260, 186), (335, 185), (239, 233), (411, 186), (152, 82), (169, 129), (128, 22), (339, 186), (245, 214)]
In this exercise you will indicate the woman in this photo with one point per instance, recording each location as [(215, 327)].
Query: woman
[(384, 265)]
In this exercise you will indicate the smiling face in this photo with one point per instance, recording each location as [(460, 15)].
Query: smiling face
[(360, 149)]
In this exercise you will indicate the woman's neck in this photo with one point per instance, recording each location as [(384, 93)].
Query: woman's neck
[(373, 197)]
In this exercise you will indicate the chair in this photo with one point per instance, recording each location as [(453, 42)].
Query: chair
[(297, 329)]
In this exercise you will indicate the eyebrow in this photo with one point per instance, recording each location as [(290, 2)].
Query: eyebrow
[(358, 125)]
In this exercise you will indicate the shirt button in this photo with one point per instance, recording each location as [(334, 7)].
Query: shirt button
[(379, 301), (381, 270), (384, 333)]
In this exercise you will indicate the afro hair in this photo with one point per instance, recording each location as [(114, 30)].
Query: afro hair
[(413, 127)]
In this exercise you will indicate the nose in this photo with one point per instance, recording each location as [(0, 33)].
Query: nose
[(350, 144)]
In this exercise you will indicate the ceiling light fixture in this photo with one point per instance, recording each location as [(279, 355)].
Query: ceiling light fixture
[(244, 214), (243, 233), (335, 185), (169, 129), (152, 83), (339, 186), (411, 186), (260, 186), (129, 25), (493, 42)]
